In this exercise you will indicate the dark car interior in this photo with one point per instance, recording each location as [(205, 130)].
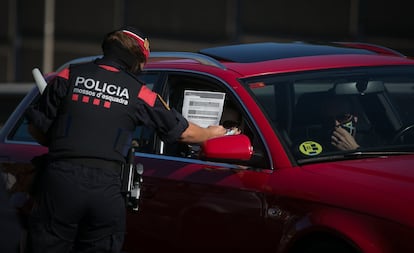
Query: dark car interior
[(316, 112), (232, 116)]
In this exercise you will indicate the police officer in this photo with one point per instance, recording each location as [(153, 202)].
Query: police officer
[(86, 116)]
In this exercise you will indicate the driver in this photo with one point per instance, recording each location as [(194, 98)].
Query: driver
[(340, 112)]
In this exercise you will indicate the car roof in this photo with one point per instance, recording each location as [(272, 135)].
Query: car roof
[(258, 52), (274, 57), (310, 63), (251, 59)]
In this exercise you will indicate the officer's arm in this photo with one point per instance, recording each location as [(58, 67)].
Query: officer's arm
[(42, 113), (196, 134)]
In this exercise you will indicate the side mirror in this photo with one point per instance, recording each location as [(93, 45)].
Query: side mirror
[(230, 147)]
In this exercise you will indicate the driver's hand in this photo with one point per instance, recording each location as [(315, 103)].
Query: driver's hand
[(233, 131), (343, 140)]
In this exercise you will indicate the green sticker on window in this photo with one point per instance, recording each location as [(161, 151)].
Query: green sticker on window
[(310, 148)]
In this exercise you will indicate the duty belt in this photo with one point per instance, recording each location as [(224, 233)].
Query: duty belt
[(95, 163)]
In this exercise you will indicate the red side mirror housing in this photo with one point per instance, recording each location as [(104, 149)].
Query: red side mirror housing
[(230, 147)]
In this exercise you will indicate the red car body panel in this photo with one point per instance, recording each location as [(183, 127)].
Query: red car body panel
[(20, 153), (352, 181)]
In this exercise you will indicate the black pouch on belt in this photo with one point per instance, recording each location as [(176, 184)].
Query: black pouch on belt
[(128, 171)]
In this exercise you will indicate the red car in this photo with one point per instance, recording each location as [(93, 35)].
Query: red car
[(293, 181)]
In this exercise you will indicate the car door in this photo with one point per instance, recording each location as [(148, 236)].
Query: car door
[(17, 151), (194, 202)]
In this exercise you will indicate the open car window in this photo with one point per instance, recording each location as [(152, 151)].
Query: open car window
[(232, 114)]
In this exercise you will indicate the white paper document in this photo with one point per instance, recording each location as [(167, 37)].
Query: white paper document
[(203, 108)]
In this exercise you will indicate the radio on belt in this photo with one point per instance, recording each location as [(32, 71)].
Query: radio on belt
[(131, 180)]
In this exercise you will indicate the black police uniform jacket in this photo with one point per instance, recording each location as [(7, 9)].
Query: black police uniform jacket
[(91, 110)]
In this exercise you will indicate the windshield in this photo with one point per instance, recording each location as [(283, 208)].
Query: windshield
[(325, 113)]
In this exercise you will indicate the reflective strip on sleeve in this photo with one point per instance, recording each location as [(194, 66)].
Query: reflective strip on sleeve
[(109, 68), (64, 74), (147, 95)]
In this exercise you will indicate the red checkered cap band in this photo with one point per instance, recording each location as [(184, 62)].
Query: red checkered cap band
[(139, 40)]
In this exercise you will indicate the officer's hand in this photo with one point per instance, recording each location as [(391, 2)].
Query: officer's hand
[(343, 140), (197, 134), (216, 131)]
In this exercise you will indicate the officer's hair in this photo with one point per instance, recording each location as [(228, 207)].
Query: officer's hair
[(130, 45)]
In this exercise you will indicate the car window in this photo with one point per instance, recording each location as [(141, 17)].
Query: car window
[(375, 105), (20, 133), (403, 96), (19, 130), (232, 115)]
